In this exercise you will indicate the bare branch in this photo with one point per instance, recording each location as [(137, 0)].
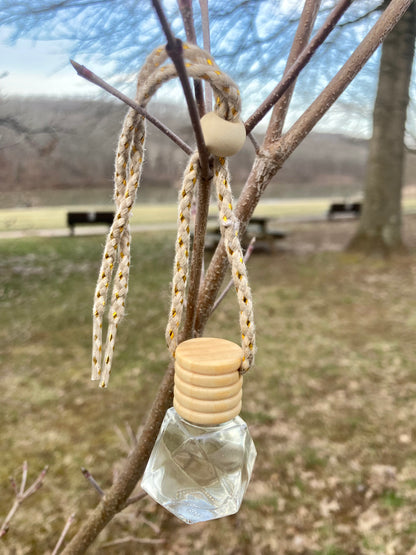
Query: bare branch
[(62, 537), (345, 75), (175, 51), (203, 5), (302, 35), (363, 16), (24, 478), (254, 142), (292, 74), (21, 495), (136, 498), (129, 441), (185, 7), (116, 497), (269, 162), (87, 474), (37, 484), (93, 78)]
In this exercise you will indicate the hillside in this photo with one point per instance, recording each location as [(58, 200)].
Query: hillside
[(54, 151)]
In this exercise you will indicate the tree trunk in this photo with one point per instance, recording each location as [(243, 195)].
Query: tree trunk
[(379, 229)]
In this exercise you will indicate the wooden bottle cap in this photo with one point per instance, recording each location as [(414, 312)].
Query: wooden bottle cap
[(208, 386), (222, 137), (205, 380)]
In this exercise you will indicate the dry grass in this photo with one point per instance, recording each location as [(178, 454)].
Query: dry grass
[(331, 403)]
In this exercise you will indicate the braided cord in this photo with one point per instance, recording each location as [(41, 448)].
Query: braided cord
[(115, 265), (229, 225), (182, 252)]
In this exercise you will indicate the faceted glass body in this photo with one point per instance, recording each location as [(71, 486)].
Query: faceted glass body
[(199, 473)]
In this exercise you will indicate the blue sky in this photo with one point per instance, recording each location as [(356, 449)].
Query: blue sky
[(43, 68), (40, 68)]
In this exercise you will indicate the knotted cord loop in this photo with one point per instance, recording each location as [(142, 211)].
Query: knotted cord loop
[(115, 265)]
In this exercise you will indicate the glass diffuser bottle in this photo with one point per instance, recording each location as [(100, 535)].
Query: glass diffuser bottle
[(203, 457)]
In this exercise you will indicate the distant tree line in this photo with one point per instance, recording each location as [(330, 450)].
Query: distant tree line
[(64, 144)]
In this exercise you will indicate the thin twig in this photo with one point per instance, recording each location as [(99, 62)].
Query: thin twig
[(297, 67), (14, 485), (67, 526), (152, 525), (132, 438), (254, 142), (221, 297), (185, 7), (87, 475), (24, 478), (129, 441), (87, 74), (206, 38), (175, 51), (125, 443), (304, 124), (135, 498), (21, 495), (300, 41), (37, 484)]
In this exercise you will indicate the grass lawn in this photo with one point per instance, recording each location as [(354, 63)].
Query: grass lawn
[(54, 217), (331, 404)]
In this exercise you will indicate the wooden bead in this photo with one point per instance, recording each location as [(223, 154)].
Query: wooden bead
[(208, 386), (222, 137)]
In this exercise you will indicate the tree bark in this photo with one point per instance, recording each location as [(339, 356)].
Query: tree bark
[(379, 230)]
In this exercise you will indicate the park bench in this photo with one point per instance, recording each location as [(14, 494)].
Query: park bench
[(344, 208), (88, 218), (258, 227)]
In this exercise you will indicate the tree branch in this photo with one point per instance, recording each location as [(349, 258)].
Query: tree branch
[(363, 16), (268, 162), (185, 7), (88, 476), (21, 495), (174, 49), (87, 74), (291, 75), (116, 498), (62, 537), (300, 41), (343, 78), (203, 5)]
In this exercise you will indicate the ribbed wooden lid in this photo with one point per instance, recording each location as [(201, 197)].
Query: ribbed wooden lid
[(207, 382)]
